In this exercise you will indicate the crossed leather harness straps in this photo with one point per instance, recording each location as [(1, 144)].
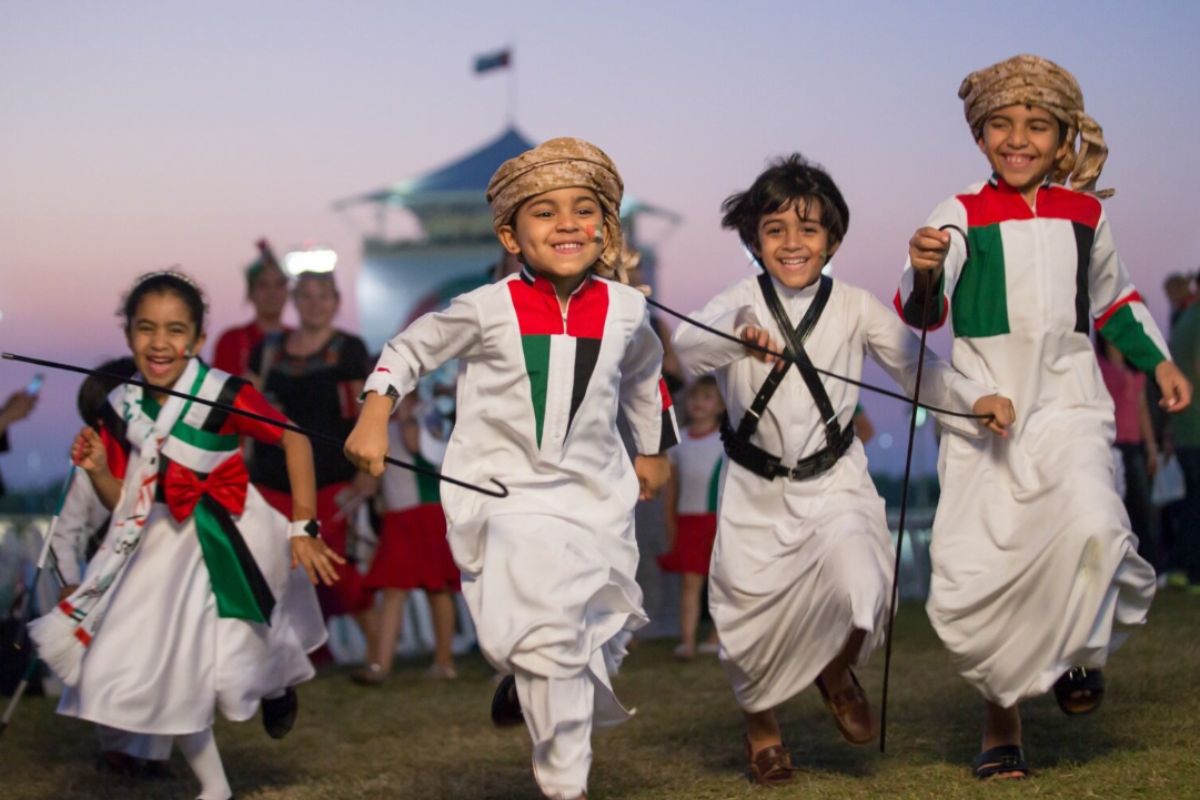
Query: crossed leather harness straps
[(738, 446)]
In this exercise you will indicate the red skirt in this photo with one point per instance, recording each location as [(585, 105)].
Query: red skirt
[(413, 552), (348, 595), (693, 545)]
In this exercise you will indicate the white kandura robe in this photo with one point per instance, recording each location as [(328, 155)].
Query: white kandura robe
[(548, 572), (798, 564), (1035, 566)]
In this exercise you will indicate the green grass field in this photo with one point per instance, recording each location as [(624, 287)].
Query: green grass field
[(419, 739)]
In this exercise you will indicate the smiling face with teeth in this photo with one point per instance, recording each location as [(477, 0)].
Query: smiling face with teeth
[(793, 244), (556, 233), (162, 335), (1022, 143)]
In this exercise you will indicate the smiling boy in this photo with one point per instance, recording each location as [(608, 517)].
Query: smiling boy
[(1035, 585), (550, 355), (801, 570)]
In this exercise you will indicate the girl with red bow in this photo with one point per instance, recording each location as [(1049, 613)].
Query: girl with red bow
[(191, 604)]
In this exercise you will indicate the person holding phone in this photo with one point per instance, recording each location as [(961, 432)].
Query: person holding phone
[(17, 407)]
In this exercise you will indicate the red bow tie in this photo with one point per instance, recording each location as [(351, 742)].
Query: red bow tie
[(226, 484)]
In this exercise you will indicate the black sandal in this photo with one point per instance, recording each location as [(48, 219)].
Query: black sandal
[(1079, 690), (506, 705), (1006, 758)]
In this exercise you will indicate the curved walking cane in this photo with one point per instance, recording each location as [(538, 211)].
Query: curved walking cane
[(500, 491)]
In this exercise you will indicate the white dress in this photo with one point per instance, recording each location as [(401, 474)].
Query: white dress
[(548, 572), (162, 659), (798, 564)]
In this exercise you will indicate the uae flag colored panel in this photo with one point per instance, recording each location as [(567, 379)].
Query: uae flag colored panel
[(545, 335), (670, 427)]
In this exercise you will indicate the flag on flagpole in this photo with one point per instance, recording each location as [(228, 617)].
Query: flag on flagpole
[(494, 60)]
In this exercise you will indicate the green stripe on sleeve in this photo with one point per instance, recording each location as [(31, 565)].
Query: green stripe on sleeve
[(1128, 336)]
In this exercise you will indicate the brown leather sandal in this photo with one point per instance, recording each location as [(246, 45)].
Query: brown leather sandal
[(851, 711), (770, 766)]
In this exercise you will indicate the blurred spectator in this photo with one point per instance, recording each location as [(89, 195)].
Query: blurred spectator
[(1180, 294), (313, 375), (266, 289), (864, 429), (1184, 430), (690, 500), (1136, 444), (17, 407)]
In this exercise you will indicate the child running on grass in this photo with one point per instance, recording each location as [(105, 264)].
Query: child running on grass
[(191, 604), (801, 572), (1033, 587), (691, 508), (550, 355)]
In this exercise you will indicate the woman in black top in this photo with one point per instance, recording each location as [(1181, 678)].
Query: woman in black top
[(314, 375)]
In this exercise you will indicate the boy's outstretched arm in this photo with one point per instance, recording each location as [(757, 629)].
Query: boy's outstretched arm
[(1122, 318), (647, 408), (896, 348), (429, 342), (367, 444), (700, 352)]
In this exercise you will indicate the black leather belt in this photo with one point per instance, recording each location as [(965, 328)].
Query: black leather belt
[(750, 456)]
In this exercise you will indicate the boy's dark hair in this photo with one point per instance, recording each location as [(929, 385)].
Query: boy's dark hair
[(166, 282), (93, 392), (787, 181)]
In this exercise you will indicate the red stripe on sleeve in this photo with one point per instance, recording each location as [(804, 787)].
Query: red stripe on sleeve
[(250, 399), (1132, 297), (666, 395)]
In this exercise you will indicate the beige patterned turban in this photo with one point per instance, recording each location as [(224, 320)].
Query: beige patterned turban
[(1036, 81), (558, 164)]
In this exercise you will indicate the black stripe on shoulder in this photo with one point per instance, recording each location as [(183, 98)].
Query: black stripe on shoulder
[(217, 416)]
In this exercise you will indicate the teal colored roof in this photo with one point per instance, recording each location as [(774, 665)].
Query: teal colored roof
[(464, 182), (464, 179)]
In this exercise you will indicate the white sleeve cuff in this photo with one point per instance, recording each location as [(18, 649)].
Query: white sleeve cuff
[(304, 527), (382, 383)]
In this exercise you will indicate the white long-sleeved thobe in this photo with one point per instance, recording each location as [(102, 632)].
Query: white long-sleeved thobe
[(548, 571), (1035, 568), (798, 564)]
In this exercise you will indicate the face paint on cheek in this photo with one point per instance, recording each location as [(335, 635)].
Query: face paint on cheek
[(594, 233)]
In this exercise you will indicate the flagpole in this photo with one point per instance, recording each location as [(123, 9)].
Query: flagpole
[(512, 88)]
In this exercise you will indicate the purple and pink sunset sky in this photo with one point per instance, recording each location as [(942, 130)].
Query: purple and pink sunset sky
[(138, 135)]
